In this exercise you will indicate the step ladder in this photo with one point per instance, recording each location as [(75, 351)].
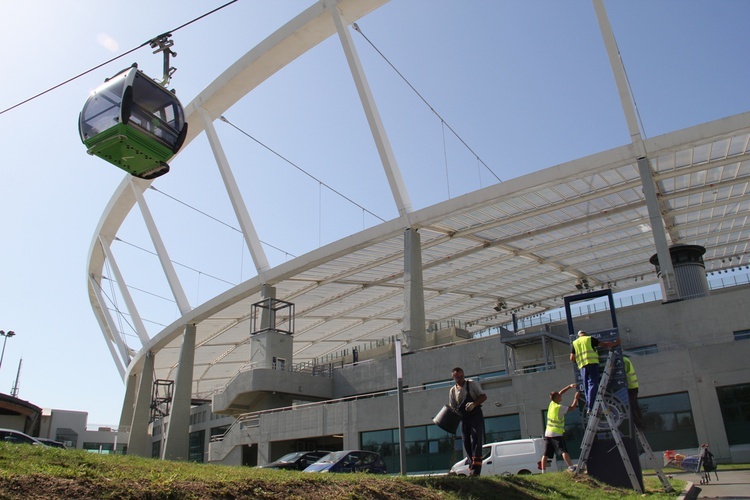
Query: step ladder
[(600, 411), (650, 454)]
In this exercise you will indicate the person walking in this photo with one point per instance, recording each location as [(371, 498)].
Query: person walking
[(584, 354), (554, 433), (466, 398), (632, 380)]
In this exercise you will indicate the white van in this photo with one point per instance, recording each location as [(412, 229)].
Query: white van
[(520, 456)]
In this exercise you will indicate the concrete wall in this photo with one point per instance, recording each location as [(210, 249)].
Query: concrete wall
[(52, 420), (697, 353)]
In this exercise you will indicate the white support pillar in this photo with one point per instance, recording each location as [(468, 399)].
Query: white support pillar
[(618, 69), (128, 404), (235, 196), (177, 440), (135, 317), (112, 329), (669, 285), (387, 158), (139, 441), (174, 282), (414, 316), (668, 278)]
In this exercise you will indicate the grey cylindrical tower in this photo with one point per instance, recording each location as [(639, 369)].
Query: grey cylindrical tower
[(689, 270)]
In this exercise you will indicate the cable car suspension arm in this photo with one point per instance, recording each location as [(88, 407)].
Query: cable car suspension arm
[(164, 43)]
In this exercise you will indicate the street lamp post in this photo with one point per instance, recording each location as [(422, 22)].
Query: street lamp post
[(6, 335)]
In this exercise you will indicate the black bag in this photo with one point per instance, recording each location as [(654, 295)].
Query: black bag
[(709, 463)]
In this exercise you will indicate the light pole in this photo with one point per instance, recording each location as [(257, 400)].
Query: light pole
[(6, 335)]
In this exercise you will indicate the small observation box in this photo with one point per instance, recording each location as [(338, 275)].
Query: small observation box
[(272, 315), (134, 123)]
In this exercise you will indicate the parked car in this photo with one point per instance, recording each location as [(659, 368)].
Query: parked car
[(519, 456), (52, 443), (18, 437), (296, 461), (350, 461)]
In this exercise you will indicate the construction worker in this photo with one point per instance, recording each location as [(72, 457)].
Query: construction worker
[(632, 379), (466, 398), (583, 353), (553, 434)]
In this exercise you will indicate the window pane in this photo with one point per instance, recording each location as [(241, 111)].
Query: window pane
[(734, 401), (668, 421)]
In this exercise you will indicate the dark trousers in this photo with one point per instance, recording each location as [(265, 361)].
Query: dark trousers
[(635, 410), (472, 433), (590, 376)]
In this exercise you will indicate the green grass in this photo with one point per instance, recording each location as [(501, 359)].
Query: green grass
[(41, 472)]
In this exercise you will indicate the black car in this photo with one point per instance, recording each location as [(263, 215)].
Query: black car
[(298, 460), (350, 461), (52, 443), (14, 436)]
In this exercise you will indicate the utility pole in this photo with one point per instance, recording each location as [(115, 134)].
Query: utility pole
[(6, 335), (14, 390)]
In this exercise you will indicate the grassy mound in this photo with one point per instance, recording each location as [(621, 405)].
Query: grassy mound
[(36, 472)]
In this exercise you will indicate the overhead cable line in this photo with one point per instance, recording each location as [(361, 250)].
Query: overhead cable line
[(358, 30), (174, 262), (222, 118), (148, 42), (216, 219)]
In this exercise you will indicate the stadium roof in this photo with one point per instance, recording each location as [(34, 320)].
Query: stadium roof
[(524, 241)]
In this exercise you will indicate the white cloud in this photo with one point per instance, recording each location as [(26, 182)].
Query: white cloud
[(107, 42)]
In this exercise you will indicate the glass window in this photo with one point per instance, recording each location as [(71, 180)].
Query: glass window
[(643, 350), (668, 421), (503, 428), (221, 430), (540, 367), (103, 448), (734, 401), (428, 448), (195, 446)]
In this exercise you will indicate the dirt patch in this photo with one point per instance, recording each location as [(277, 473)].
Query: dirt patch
[(45, 487)]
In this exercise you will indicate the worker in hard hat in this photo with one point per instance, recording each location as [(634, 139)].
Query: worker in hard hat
[(584, 353)]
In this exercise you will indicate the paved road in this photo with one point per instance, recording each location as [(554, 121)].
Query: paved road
[(731, 484)]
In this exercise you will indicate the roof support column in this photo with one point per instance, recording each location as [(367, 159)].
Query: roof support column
[(387, 158), (135, 317), (166, 263), (667, 276), (126, 415), (267, 292), (235, 196), (112, 329), (629, 108), (139, 441), (177, 440), (414, 316)]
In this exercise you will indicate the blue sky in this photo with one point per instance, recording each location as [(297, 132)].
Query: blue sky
[(526, 84)]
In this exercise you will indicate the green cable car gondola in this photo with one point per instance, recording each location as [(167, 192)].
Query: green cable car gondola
[(134, 123)]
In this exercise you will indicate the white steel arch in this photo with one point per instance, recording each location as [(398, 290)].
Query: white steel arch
[(526, 240)]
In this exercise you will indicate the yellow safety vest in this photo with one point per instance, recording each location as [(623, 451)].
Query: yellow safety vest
[(585, 352), (555, 419), (630, 375)]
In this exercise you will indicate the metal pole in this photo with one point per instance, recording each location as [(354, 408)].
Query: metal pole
[(14, 389), (401, 430), (3, 354), (6, 335)]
